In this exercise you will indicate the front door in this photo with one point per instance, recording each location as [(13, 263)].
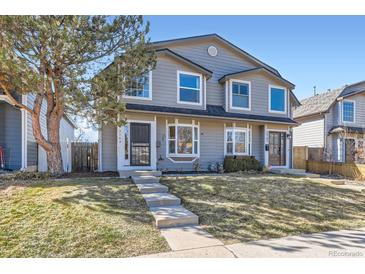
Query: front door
[(349, 150), (277, 148), (140, 144)]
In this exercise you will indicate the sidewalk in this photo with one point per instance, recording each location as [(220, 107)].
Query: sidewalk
[(334, 244)]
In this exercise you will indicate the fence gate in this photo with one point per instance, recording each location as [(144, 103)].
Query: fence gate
[(84, 156)]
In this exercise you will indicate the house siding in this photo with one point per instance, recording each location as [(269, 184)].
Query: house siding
[(259, 96), (109, 148), (310, 133), (10, 135)]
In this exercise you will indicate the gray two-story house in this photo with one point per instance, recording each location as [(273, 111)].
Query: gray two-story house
[(205, 99), (334, 121)]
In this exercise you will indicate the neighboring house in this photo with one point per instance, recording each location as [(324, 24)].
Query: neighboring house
[(206, 98), (21, 151), (335, 121)]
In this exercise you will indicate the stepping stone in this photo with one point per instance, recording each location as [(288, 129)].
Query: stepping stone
[(161, 199), (152, 188), (172, 216), (188, 237), (145, 179)]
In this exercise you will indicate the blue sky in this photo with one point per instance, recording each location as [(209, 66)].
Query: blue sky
[(322, 51)]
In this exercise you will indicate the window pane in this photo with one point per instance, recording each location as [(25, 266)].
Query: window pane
[(229, 148), (240, 101), (239, 88), (348, 111), (185, 140), (240, 148), (189, 95), (240, 136), (139, 86), (172, 146), (196, 137), (172, 132), (189, 81), (229, 136), (277, 99), (195, 147)]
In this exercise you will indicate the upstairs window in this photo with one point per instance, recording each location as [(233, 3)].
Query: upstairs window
[(189, 88), (240, 94), (183, 140), (277, 99), (348, 110), (140, 87)]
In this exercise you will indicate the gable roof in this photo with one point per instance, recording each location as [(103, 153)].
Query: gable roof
[(317, 104), (165, 43), (185, 60), (321, 103), (353, 89), (262, 69)]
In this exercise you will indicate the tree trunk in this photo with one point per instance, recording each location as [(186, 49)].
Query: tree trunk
[(52, 144), (54, 156), (54, 160)]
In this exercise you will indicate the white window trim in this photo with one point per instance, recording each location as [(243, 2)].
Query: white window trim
[(231, 94), (200, 103), (285, 99), (342, 116), (149, 98), (180, 155), (234, 129)]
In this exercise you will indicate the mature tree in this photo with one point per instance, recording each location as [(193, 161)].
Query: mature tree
[(57, 57)]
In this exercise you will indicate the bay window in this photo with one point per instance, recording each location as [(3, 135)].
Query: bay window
[(182, 140), (236, 141)]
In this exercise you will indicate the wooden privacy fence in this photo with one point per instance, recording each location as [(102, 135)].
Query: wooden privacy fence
[(303, 153), (348, 170), (84, 156)]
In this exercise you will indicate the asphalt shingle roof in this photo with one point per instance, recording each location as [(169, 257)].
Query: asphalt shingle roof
[(316, 104), (211, 111)]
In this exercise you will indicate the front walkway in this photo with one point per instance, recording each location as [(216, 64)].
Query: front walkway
[(335, 244)]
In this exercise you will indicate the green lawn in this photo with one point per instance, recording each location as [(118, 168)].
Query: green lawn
[(239, 208), (76, 218)]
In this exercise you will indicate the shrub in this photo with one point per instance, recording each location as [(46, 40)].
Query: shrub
[(241, 163), (25, 175)]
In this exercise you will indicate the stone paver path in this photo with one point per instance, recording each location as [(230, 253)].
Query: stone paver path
[(178, 225)]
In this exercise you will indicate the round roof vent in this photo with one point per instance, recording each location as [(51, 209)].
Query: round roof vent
[(212, 51)]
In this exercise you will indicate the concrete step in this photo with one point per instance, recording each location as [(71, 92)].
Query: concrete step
[(145, 180), (172, 216), (287, 170), (152, 188), (161, 199), (130, 173)]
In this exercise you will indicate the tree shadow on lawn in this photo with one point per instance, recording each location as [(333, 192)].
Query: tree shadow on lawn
[(252, 207), (110, 196)]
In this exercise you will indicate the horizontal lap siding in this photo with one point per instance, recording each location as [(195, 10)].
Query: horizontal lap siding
[(164, 85), (211, 144), (109, 148), (10, 136), (260, 95), (310, 133), (225, 62)]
